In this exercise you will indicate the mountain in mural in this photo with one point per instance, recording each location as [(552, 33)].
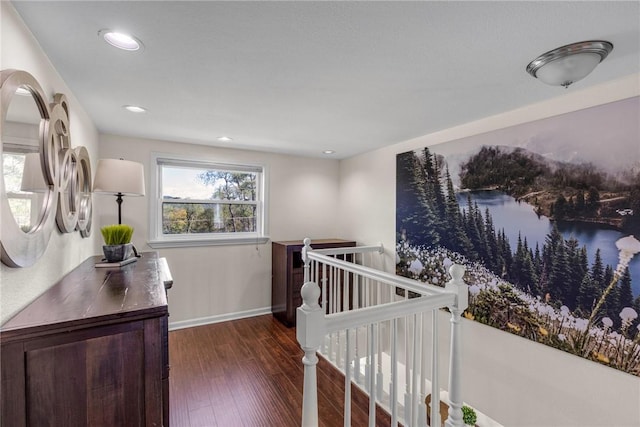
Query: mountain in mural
[(557, 190)]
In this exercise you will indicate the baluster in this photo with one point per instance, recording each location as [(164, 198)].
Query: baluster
[(393, 387), (336, 309), (415, 370), (311, 272), (364, 292), (372, 386), (367, 363), (457, 286), (347, 381), (325, 306), (379, 374), (356, 292), (392, 291), (339, 305), (356, 361), (407, 373), (422, 408), (331, 297), (346, 299), (435, 360), (367, 290)]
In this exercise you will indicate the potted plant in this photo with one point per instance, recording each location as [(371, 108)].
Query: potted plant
[(117, 242), (469, 416)]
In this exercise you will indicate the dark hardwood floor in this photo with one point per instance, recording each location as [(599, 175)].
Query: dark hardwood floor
[(249, 373)]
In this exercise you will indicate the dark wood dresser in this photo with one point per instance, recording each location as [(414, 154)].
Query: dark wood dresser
[(288, 275), (91, 351)]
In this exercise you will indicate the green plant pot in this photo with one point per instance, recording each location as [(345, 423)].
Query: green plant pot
[(117, 253)]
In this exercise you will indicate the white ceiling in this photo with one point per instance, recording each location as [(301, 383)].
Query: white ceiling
[(302, 77)]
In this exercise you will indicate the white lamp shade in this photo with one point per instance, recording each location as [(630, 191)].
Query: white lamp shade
[(115, 176), (569, 69), (32, 175)]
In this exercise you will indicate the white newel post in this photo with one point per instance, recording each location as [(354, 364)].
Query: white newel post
[(456, 285), (310, 329)]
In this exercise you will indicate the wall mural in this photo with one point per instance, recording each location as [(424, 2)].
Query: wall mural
[(546, 217)]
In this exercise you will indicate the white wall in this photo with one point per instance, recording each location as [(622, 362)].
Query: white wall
[(19, 50), (515, 381), (212, 283)]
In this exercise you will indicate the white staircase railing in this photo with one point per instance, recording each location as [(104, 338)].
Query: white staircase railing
[(374, 326)]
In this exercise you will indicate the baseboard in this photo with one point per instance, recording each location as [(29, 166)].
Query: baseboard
[(218, 318)]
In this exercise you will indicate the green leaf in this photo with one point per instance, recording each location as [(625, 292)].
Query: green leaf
[(117, 234)]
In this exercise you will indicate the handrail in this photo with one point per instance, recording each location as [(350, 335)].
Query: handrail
[(351, 250), (384, 312), (383, 277)]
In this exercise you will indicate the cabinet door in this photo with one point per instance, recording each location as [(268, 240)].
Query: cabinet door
[(96, 381), (12, 404)]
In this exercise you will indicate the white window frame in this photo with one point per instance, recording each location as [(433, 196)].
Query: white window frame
[(159, 240)]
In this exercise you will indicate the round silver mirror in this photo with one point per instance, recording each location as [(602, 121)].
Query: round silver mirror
[(28, 192), (85, 206)]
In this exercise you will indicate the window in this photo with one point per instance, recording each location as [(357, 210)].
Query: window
[(207, 203)]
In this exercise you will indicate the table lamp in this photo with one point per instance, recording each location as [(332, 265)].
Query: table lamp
[(121, 178)]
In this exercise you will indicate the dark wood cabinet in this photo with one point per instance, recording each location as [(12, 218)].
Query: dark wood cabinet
[(288, 275), (91, 351)]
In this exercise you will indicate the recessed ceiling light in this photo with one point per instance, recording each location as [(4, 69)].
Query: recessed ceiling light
[(224, 139), (134, 108), (121, 40), (328, 152)]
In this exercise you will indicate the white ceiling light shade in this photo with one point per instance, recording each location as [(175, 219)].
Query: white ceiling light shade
[(121, 40), (224, 139), (569, 64)]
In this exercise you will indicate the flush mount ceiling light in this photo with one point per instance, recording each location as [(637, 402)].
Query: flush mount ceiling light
[(570, 63), (327, 152), (224, 139), (121, 40), (134, 108)]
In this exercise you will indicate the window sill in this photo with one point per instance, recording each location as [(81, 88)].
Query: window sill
[(225, 241)]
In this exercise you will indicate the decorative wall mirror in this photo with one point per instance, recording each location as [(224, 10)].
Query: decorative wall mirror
[(42, 180)]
